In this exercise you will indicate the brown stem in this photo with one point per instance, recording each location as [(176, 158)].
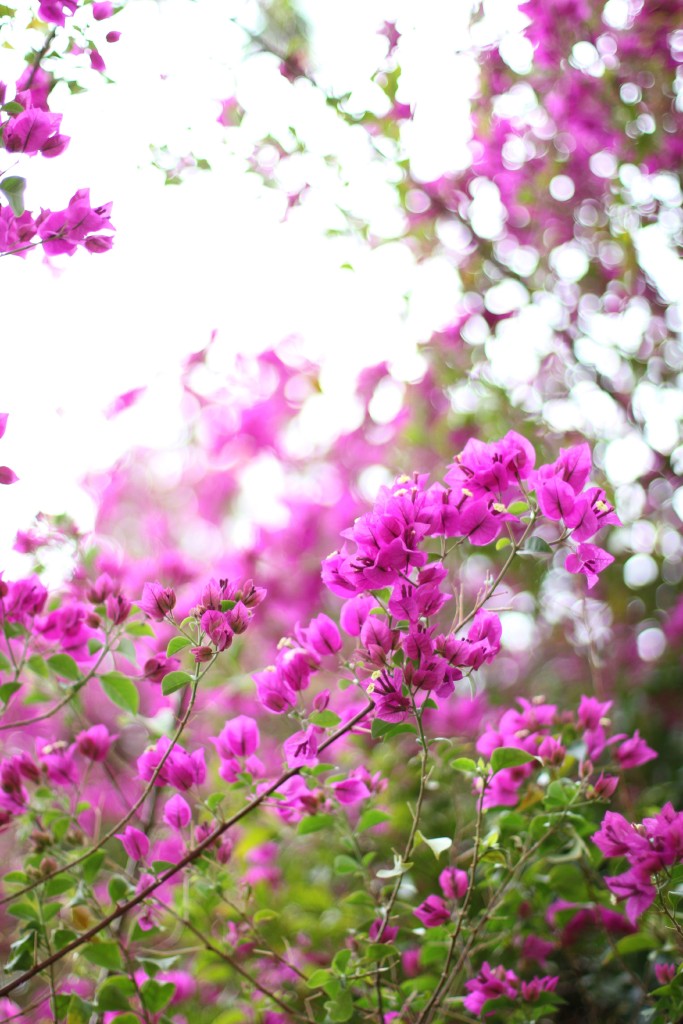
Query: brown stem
[(39, 56), (134, 807), (436, 995), (230, 960), (65, 700), (456, 626), (189, 858)]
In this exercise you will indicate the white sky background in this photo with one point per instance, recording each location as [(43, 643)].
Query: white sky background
[(213, 253)]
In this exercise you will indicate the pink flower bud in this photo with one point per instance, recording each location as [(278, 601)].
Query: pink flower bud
[(157, 601), (240, 736), (177, 812), (94, 743), (102, 10), (454, 883), (433, 912), (135, 843)]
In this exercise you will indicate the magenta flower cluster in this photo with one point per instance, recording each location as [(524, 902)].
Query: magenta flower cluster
[(651, 848)]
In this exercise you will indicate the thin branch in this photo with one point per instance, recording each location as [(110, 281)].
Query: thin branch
[(189, 858)]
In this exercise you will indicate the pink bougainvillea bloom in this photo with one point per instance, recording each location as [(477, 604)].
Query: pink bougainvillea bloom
[(302, 748), (216, 626), (157, 601), (94, 743), (589, 560), (321, 636), (113, 37), (432, 912), (490, 983), (31, 130), (391, 704), (634, 752), (96, 61), (4, 416), (454, 883), (273, 691), (355, 612), (118, 608), (591, 711), (55, 10), (62, 231), (135, 842), (177, 812), (377, 933), (556, 498), (531, 990), (102, 10), (7, 475), (350, 791), (634, 886), (239, 737), (665, 973)]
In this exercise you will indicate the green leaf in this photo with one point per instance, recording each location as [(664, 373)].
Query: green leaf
[(536, 547), (341, 961), (139, 629), (318, 978), (25, 911), (344, 865), (399, 729), (463, 764), (37, 665), (214, 800), (326, 719), (509, 757), (156, 995), (174, 681), (13, 190), (560, 793), (359, 898), (16, 876), (78, 1011), (56, 886), (265, 915), (502, 542), (636, 944), (379, 728), (517, 507), (92, 865), (21, 958), (371, 818), (126, 647), (121, 691), (104, 954), (5, 665), (175, 644), (340, 1008), (62, 937), (7, 691), (118, 888), (314, 823), (64, 665)]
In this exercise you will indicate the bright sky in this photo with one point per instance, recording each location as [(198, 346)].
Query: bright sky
[(214, 253)]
